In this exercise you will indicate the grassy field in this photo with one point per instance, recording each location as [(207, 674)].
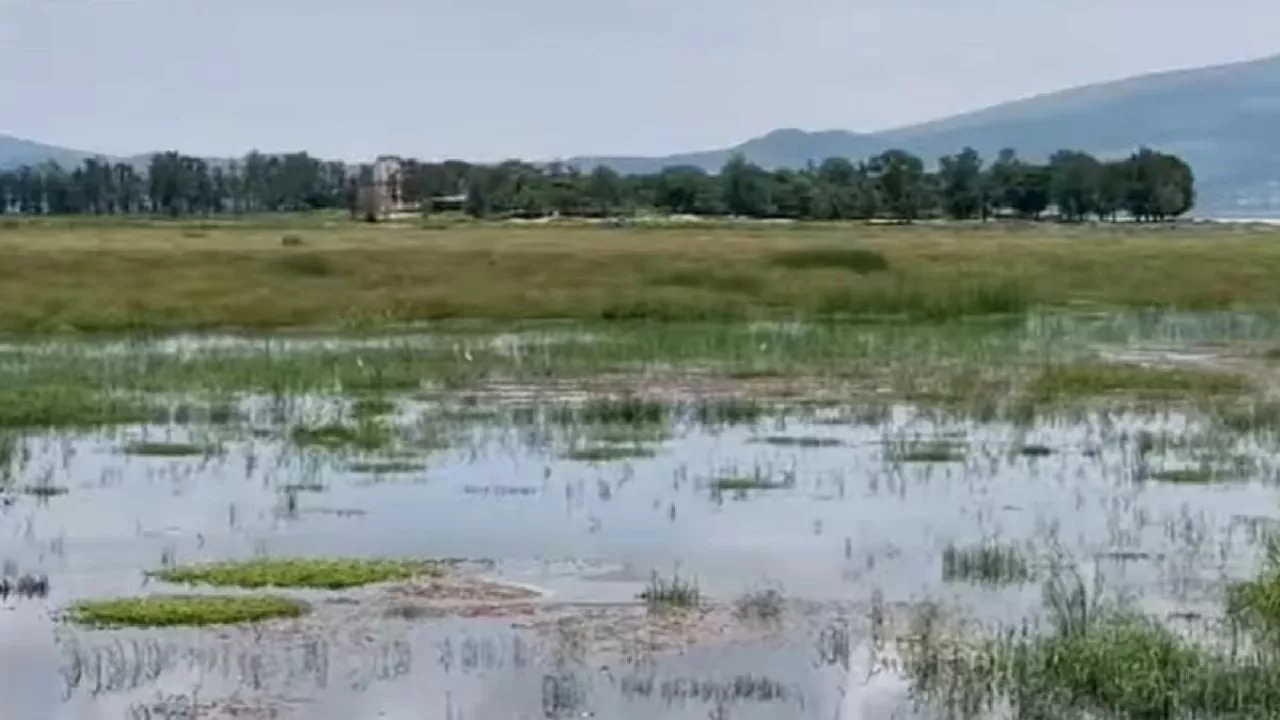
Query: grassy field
[(117, 276)]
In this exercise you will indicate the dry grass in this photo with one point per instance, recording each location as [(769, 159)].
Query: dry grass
[(120, 276)]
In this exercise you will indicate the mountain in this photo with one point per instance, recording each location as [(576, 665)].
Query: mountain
[(16, 152), (1223, 119)]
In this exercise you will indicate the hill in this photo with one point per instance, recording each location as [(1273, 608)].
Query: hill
[(1223, 119), (16, 152)]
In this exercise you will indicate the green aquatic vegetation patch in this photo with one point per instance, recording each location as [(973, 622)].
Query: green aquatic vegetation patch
[(185, 610), (803, 441), (365, 435), (327, 574), (925, 452), (743, 484)]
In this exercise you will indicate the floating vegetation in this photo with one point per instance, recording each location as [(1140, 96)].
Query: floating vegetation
[(388, 466), (185, 610), (167, 449), (1184, 476), (924, 452), (296, 572), (985, 564), (366, 435), (806, 441), (608, 453), (743, 484), (673, 593)]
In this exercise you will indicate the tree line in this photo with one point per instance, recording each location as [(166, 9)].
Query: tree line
[(894, 185)]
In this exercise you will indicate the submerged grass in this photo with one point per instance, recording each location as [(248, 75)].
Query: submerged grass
[(609, 453), (185, 610), (167, 449), (297, 572)]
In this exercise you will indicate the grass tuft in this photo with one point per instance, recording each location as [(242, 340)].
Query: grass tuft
[(669, 594), (985, 564)]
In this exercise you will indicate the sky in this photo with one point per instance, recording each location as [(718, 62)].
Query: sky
[(540, 79)]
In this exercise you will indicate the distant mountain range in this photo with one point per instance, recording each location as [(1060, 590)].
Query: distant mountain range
[(1223, 119)]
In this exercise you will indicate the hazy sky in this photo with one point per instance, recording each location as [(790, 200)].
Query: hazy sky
[(488, 79)]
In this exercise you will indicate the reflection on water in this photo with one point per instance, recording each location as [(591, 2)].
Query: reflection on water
[(848, 513)]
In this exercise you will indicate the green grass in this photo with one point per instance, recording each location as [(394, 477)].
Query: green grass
[(986, 564), (166, 449), (185, 610), (1102, 379), (55, 406), (146, 276), (296, 572), (1099, 661)]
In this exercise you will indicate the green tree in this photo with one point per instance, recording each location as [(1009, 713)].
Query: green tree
[(898, 177), (746, 188), (1075, 180), (960, 186)]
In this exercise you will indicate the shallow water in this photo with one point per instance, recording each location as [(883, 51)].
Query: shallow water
[(845, 526)]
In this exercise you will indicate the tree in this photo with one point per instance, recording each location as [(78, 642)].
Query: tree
[(745, 188), (898, 178), (1075, 180), (961, 184), (604, 188)]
